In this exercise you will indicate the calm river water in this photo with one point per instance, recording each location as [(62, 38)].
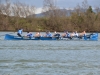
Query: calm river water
[(49, 57)]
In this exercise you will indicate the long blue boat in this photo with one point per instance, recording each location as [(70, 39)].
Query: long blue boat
[(91, 37), (12, 37)]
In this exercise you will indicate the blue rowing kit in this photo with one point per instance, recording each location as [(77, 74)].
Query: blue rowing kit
[(20, 32), (30, 35)]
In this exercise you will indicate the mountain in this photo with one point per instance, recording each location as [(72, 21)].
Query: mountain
[(66, 11), (61, 11)]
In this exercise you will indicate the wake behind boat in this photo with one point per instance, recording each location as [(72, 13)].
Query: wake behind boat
[(92, 37)]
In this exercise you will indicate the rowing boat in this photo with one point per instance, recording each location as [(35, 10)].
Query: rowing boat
[(92, 37), (12, 37)]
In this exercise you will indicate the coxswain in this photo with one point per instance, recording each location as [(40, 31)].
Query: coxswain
[(20, 32)]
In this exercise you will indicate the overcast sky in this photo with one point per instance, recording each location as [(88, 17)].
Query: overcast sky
[(62, 3)]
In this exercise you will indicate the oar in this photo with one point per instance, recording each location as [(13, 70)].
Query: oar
[(4, 34)]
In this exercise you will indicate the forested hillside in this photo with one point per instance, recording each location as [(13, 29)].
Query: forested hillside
[(83, 17)]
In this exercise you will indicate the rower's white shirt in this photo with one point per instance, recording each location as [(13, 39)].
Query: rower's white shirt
[(75, 34)]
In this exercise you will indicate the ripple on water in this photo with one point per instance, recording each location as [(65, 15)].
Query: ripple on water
[(49, 57)]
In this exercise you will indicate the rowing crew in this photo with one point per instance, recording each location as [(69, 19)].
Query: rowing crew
[(30, 35), (74, 34), (66, 34)]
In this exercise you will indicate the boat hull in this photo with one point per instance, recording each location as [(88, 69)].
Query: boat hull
[(93, 37), (11, 37)]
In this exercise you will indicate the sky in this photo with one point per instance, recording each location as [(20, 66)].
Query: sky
[(60, 3)]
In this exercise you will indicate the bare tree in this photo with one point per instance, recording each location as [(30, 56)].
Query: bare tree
[(5, 12), (49, 6), (0, 7), (31, 10), (97, 9), (6, 8), (54, 14), (16, 9), (27, 10), (85, 5), (22, 10), (78, 9), (51, 9)]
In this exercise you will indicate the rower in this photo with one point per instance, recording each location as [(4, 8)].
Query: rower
[(37, 34), (82, 34), (74, 34), (48, 34), (20, 32), (67, 34), (29, 35), (57, 35)]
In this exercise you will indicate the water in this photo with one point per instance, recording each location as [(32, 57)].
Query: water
[(49, 57)]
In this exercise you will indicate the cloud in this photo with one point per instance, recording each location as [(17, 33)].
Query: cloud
[(38, 10)]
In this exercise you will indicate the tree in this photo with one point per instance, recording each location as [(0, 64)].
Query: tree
[(54, 14), (21, 10), (89, 10), (5, 10), (85, 5)]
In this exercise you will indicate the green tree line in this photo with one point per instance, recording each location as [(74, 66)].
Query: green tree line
[(82, 17)]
